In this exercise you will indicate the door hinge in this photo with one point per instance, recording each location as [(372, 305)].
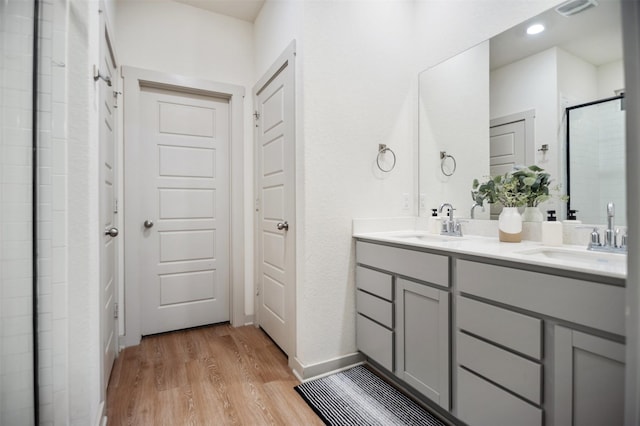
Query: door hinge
[(257, 204), (256, 116), (115, 310), (115, 206)]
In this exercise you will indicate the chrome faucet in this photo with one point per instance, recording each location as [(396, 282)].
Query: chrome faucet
[(613, 240), (450, 226)]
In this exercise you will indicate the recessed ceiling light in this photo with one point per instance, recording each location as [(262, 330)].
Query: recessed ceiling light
[(535, 29)]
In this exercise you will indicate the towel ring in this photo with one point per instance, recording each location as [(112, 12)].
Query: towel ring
[(443, 158), (382, 148)]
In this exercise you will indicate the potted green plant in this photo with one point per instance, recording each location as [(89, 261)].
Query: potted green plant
[(524, 187)]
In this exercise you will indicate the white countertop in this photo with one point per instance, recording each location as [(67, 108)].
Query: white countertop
[(568, 257)]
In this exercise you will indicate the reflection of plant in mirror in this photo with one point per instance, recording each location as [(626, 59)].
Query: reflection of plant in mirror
[(525, 186)]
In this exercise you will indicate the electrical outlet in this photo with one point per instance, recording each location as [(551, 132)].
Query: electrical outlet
[(405, 201)]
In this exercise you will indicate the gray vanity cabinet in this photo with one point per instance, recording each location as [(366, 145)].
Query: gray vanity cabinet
[(533, 347), (422, 339), (403, 318), (588, 379)]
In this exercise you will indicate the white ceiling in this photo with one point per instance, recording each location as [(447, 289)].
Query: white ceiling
[(247, 10), (594, 35)]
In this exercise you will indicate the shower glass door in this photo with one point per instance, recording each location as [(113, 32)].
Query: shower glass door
[(16, 222), (596, 160)]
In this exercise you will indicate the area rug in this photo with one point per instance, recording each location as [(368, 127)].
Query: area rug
[(359, 397)]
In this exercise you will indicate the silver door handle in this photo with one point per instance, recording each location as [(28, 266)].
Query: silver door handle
[(283, 225), (112, 232), (148, 223)]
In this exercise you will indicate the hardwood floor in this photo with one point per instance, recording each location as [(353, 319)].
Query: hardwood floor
[(217, 375)]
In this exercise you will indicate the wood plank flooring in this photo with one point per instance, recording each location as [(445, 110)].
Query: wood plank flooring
[(217, 375)]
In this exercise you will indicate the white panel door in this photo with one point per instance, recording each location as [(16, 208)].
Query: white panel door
[(506, 150), (276, 214), (108, 221), (183, 210)]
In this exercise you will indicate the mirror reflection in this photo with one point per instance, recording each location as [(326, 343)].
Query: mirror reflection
[(514, 100)]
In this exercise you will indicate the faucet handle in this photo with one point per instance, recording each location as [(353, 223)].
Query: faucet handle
[(595, 238), (620, 239)]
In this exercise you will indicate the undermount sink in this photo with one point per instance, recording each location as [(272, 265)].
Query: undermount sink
[(577, 256)]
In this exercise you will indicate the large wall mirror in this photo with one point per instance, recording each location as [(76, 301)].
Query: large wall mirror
[(554, 99)]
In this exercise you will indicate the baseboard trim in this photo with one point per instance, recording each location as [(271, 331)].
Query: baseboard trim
[(312, 371), (249, 319), (101, 419)]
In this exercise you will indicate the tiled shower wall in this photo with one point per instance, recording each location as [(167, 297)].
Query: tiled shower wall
[(16, 341), (16, 369)]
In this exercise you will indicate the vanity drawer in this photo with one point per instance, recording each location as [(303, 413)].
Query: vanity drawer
[(374, 282), (588, 303), (375, 308), (481, 403), (375, 341), (509, 370), (431, 268), (516, 331)]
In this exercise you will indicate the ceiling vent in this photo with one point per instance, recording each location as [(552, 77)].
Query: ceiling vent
[(575, 6)]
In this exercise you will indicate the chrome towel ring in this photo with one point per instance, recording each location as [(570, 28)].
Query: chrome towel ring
[(382, 148), (443, 158)]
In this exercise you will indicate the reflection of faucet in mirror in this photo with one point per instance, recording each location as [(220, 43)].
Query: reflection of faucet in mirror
[(474, 205)]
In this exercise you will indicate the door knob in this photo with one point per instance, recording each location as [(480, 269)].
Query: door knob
[(283, 225), (112, 232), (148, 223)]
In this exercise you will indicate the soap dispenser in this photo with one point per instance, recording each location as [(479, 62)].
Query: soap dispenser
[(551, 230), (433, 225)]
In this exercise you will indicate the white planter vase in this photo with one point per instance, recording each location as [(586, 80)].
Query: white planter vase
[(510, 225), (532, 214)]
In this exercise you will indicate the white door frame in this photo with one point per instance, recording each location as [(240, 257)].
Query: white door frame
[(286, 58), (134, 79)]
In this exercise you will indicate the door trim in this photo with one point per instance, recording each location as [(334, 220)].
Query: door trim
[(286, 58), (134, 79)]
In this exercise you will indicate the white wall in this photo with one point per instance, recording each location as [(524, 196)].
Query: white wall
[(175, 38), (610, 79)]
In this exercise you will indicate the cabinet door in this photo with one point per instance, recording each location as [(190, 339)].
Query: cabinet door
[(422, 339), (589, 379)]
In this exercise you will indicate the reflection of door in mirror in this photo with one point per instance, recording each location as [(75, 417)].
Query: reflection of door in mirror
[(510, 137)]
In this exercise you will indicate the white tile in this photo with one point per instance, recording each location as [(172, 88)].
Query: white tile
[(19, 287), (45, 358), (61, 333), (44, 322), (16, 362), (60, 366), (59, 268), (18, 325), (45, 376), (44, 211), (45, 194), (44, 175), (59, 193), (61, 401), (59, 46), (58, 84), (46, 395), (59, 124), (15, 306), (59, 234), (45, 233), (17, 345), (44, 285), (45, 340), (59, 157), (44, 102), (45, 303), (44, 138), (44, 120), (60, 310)]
